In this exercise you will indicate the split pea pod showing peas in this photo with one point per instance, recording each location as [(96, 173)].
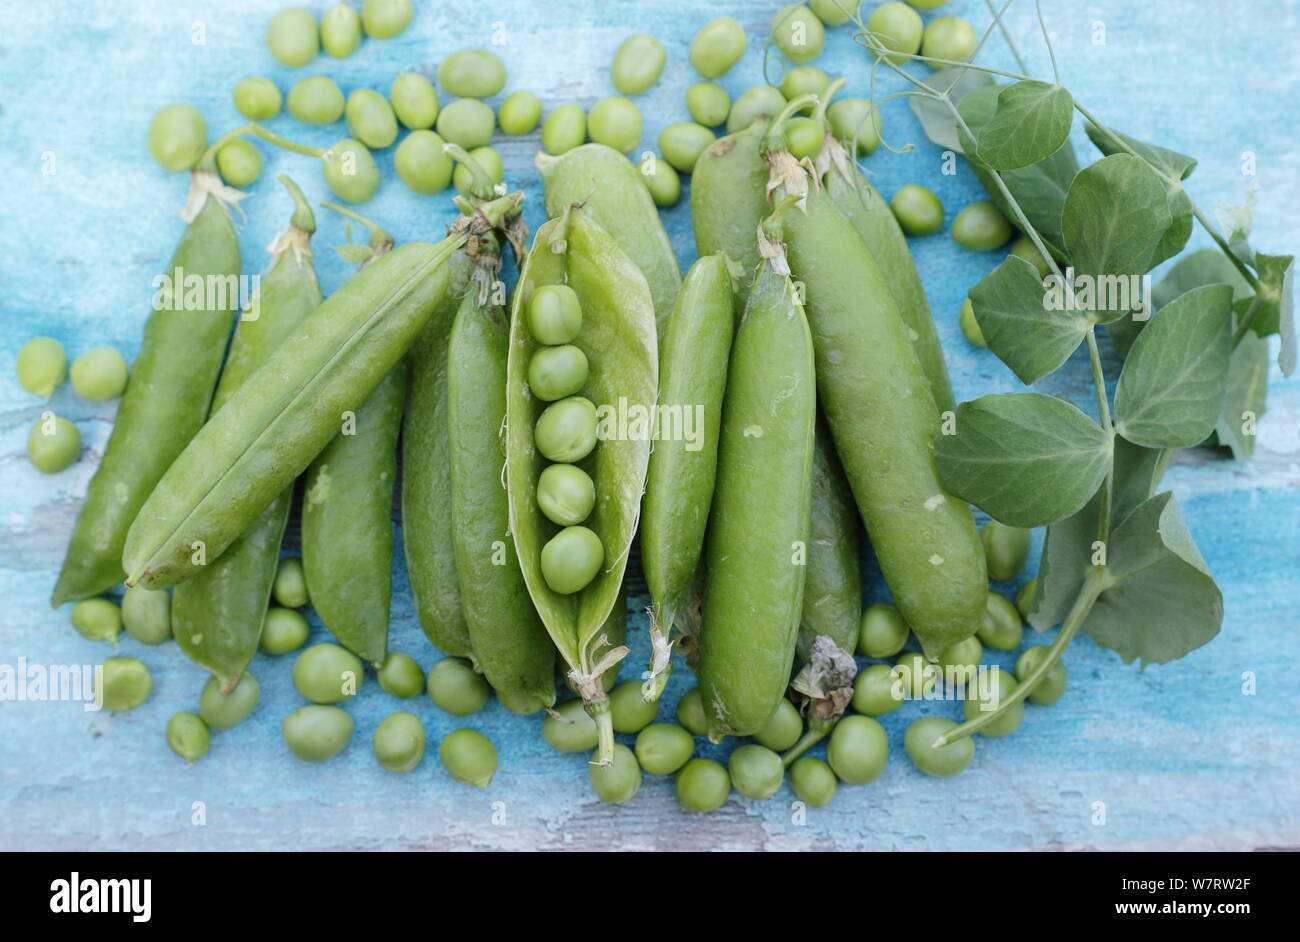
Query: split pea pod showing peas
[(754, 584), (728, 198), (274, 425), (618, 337), (679, 483), (882, 416), (511, 644), (217, 615), (605, 183), (166, 399)]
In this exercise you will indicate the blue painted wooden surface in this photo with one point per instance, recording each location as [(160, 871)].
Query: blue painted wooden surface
[(1178, 755)]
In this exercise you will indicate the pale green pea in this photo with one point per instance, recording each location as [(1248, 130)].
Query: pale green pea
[(340, 31), (96, 619), (899, 29), (813, 781), (125, 684), (384, 19), (804, 80), (316, 99), (960, 660), (456, 688), (943, 761), (918, 210), (852, 118), (147, 614), (629, 711), (761, 100), (981, 227), (370, 118), (915, 675), (472, 73), (570, 728), (485, 157), (882, 632), (970, 327), (1052, 685), (178, 136), (327, 673), (702, 785), (240, 165), (565, 493), (415, 100), (717, 46), (293, 37), (987, 696), (564, 129), (422, 164), (283, 630), (316, 733), (350, 171), (556, 372), (469, 757), (690, 712), (798, 33), (858, 750), (927, 4), (401, 676), (1000, 626), (519, 113), (42, 366), (53, 444), (682, 144), (804, 137), (638, 63), (227, 710), (1006, 549), (571, 559), (398, 742), (663, 748), (615, 122), (873, 691), (620, 780), (188, 736), (257, 98), (1025, 598), (782, 729), (756, 771), (290, 586), (467, 122), (834, 12), (661, 180), (950, 38), (708, 103)]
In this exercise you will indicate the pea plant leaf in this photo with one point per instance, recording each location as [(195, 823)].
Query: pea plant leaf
[(1172, 382), (1024, 458), (1163, 603), (1245, 396), (1031, 121), (1019, 326), (1277, 287), (936, 119), (1169, 162)]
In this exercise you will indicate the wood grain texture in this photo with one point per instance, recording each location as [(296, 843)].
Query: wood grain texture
[(1177, 755)]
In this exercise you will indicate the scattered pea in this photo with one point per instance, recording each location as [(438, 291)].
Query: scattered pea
[(370, 118), (873, 691), (488, 159), (661, 180), (53, 444), (882, 632), (918, 210), (350, 171), (944, 761), (756, 771), (467, 122), (519, 113), (852, 118), (96, 619), (564, 129), (422, 164), (257, 98), (290, 586), (340, 31), (125, 684), (42, 366), (702, 785), (690, 712), (327, 673), (813, 781), (472, 73), (717, 46), (834, 12), (981, 227), (628, 711), (663, 748), (384, 19), (858, 750), (638, 63), (804, 137), (782, 729), (456, 688), (620, 780), (682, 144), (949, 38), (415, 100), (899, 29), (917, 675), (1052, 686), (188, 736), (960, 661), (708, 103), (469, 757), (970, 327), (146, 614), (1000, 627), (316, 99), (227, 710), (293, 37), (178, 135), (570, 728), (240, 165), (284, 630), (315, 733), (804, 80), (401, 676), (615, 122), (798, 33), (759, 101), (1005, 550), (987, 695), (398, 742)]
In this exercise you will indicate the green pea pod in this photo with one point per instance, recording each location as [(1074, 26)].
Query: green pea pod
[(882, 415), (217, 615), (729, 199), (758, 527), (605, 184), (274, 425), (618, 338), (426, 469), (510, 643), (683, 464), (167, 396)]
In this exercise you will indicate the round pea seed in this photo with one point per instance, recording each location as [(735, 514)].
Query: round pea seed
[(1052, 685), (340, 31), (1025, 598), (915, 674), (283, 630), (422, 164), (628, 711), (854, 118), (96, 619), (188, 736), (960, 662), (293, 37), (519, 113), (858, 750), (178, 136), (949, 38), (384, 19), (316, 99), (227, 710), (756, 771), (804, 80), (370, 118), (702, 785), (469, 757), (690, 712), (566, 430), (565, 494), (556, 372), (1000, 627), (53, 443), (488, 159), (571, 559), (798, 33), (467, 122), (717, 46), (970, 327), (316, 733), (918, 210), (257, 98), (753, 103), (240, 165), (995, 685), (661, 180), (663, 748), (943, 761), (401, 676), (874, 691), (620, 780), (146, 614), (834, 12), (398, 742), (708, 103), (569, 728), (615, 122), (125, 684), (899, 29), (813, 781), (564, 129), (554, 314), (882, 632), (638, 63), (981, 227), (290, 586), (327, 673), (472, 73), (804, 137), (42, 365), (456, 688), (1006, 549), (350, 171), (415, 100), (782, 729), (682, 144)]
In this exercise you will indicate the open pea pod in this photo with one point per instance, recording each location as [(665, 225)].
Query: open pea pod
[(618, 338)]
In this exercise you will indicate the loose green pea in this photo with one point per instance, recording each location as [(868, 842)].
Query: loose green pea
[(42, 366), (874, 691), (1025, 598), (813, 781), (316, 99), (858, 750), (340, 31), (284, 630), (981, 227), (690, 712), (469, 757), (708, 103), (571, 559), (472, 73), (1024, 248), (327, 673), (96, 619), (927, 4), (350, 171), (564, 129), (619, 781), (804, 137), (293, 37), (804, 80), (147, 615), (257, 98), (960, 661), (554, 314), (950, 38), (1000, 627), (519, 113), (1005, 550), (572, 730), (488, 159), (398, 742), (316, 733), (717, 46), (556, 372), (178, 136), (855, 118), (1052, 686), (456, 688), (702, 785), (401, 676), (759, 101), (663, 748), (834, 12), (290, 586), (916, 675), (566, 430), (125, 684), (798, 33), (415, 100), (566, 494), (615, 122), (970, 327), (227, 710), (467, 122), (682, 144), (995, 685), (882, 632), (782, 729), (53, 443), (756, 771), (943, 762), (422, 164), (370, 118), (240, 165), (629, 711), (638, 63), (918, 210), (661, 180), (384, 19), (899, 29), (188, 736)]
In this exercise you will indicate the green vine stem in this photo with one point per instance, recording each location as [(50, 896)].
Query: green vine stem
[(773, 140), (380, 240), (815, 733), (484, 185)]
